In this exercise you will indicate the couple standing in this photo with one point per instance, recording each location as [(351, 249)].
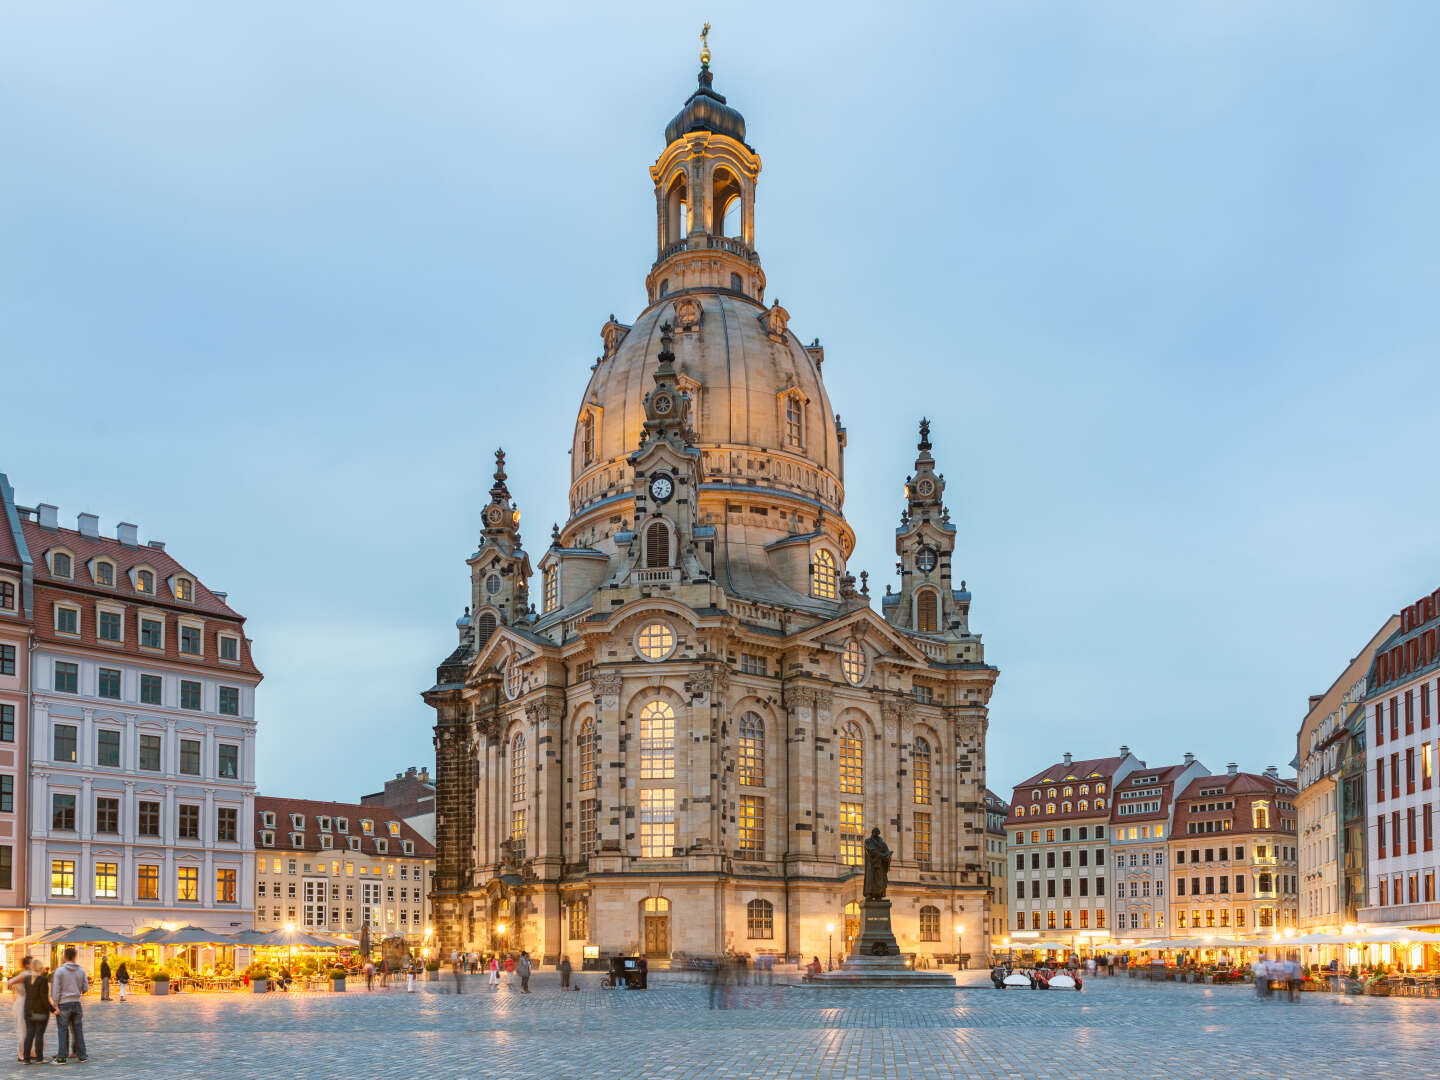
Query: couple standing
[(40, 995)]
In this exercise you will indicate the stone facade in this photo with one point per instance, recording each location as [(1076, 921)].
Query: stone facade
[(681, 751)]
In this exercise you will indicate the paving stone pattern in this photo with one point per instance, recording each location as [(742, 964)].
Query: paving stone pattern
[(1116, 1027)]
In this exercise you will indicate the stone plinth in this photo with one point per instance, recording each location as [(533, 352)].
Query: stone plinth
[(875, 959)]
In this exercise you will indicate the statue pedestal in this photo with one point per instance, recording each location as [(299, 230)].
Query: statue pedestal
[(875, 958)]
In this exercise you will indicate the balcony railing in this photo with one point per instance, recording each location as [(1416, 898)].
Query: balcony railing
[(710, 243)]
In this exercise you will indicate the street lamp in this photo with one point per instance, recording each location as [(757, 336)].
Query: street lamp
[(959, 946), (830, 945)]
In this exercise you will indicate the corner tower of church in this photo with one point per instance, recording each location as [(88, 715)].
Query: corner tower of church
[(681, 748)]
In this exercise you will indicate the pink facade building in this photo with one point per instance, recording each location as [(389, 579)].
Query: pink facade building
[(17, 603)]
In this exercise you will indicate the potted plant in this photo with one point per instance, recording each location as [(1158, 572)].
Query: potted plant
[(432, 970), (160, 982), (259, 977), (337, 979)]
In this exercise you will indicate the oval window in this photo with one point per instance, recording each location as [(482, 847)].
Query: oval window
[(655, 641), (492, 584), (852, 663), (512, 678)]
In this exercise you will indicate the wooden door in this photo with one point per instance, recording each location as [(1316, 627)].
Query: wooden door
[(657, 935)]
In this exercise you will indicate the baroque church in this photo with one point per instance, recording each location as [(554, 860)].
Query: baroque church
[(679, 746)]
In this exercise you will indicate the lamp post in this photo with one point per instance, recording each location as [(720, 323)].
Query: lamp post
[(830, 946), (959, 946)]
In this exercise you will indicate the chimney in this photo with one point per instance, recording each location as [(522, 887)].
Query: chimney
[(1272, 771), (1124, 751), (158, 545), (1314, 700), (425, 775), (128, 534), (221, 596), (49, 516), (1067, 759), (1231, 769), (1189, 759), (89, 525)]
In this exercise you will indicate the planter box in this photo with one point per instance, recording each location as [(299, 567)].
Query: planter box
[(160, 987), (338, 985), (257, 986)]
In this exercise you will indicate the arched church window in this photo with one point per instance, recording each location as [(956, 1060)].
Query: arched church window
[(725, 204), (588, 776), (751, 769), (655, 641), (657, 741), (824, 577), (517, 769), (737, 283), (794, 421), (921, 762), (552, 588), (587, 438), (677, 202), (657, 545), (929, 923), (927, 612), (760, 920), (484, 627), (852, 760), (852, 662)]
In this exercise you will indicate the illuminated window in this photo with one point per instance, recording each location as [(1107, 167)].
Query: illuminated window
[(1067, 919), (1049, 808), (922, 839), (852, 825), (517, 769), (225, 887), (1083, 805), (517, 832), (655, 641), (1099, 804), (1050, 920), (825, 579), (107, 884), (929, 923), (187, 883), (144, 581), (852, 663), (752, 827), (62, 877), (552, 588), (1099, 789), (1100, 919), (589, 834), (657, 741), (852, 760), (657, 823), (1084, 918), (1034, 920), (921, 763), (579, 920), (184, 589), (927, 607), (147, 882), (588, 742), (760, 919), (750, 769)]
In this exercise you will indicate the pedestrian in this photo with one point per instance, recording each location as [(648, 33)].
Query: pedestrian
[(494, 973), (17, 983), (1293, 976), (410, 976), (522, 968), (369, 975), (1261, 972), (644, 967), (38, 1009), (68, 985), (459, 969), (565, 973), (104, 978), (122, 976)]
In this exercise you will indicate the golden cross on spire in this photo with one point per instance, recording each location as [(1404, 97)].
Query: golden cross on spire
[(705, 45)]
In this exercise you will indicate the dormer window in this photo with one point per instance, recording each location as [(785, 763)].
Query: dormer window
[(394, 828), (229, 648), (297, 821), (184, 589), (267, 838), (367, 826), (382, 846), (342, 824), (60, 564), (824, 576), (324, 823), (326, 841), (354, 843), (267, 818), (7, 596), (145, 582), (407, 846), (297, 839), (103, 570)]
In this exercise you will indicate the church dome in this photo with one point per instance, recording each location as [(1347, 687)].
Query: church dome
[(759, 410), (706, 111)]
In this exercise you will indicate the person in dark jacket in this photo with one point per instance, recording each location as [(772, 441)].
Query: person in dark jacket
[(104, 978), (122, 976), (565, 973), (38, 1010)]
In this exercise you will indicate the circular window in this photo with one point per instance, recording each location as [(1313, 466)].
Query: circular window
[(492, 584), (512, 678), (925, 559), (655, 641), (852, 663)]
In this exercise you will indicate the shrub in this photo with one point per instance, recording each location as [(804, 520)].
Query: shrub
[(258, 971)]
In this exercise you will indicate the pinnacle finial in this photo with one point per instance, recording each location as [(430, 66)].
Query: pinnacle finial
[(705, 46), (924, 433), (500, 464)]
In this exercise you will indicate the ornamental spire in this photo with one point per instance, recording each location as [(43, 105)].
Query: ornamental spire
[(705, 46)]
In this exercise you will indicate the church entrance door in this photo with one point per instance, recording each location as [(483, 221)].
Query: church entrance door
[(657, 935)]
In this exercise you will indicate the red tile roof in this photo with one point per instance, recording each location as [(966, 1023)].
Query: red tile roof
[(383, 817), (1165, 778)]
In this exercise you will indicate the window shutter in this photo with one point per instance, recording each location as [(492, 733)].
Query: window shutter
[(928, 616), (657, 546)]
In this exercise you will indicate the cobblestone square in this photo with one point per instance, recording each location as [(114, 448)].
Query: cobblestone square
[(1115, 1027)]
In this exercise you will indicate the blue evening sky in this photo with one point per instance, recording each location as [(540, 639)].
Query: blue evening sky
[(277, 278)]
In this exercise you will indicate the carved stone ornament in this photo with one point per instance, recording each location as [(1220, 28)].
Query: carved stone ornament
[(612, 334), (776, 321), (606, 684), (813, 697), (538, 713), (688, 313), (708, 681)]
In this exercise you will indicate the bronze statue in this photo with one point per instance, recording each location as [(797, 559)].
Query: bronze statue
[(877, 866)]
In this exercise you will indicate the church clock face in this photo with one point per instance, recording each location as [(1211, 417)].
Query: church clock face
[(493, 515), (925, 487), (925, 559), (663, 404), (661, 488)]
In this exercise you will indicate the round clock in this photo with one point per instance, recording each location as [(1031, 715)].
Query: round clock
[(925, 559), (925, 487), (661, 487), (663, 403)]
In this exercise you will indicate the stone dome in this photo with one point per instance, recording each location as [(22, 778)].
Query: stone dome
[(705, 110), (749, 379)]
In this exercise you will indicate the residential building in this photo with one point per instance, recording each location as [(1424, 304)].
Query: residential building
[(142, 736), (1401, 715), (1058, 825), (1233, 868), (1141, 815), (682, 746), (996, 810), (17, 608), (1324, 747), (340, 867), (411, 795)]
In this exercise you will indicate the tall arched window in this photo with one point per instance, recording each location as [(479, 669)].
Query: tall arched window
[(657, 741), (921, 763), (587, 438), (484, 627), (927, 616), (588, 777), (517, 769), (852, 760), (825, 580), (929, 923), (751, 766), (794, 421), (725, 204), (676, 204), (760, 919), (552, 588), (657, 545), (579, 919)]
